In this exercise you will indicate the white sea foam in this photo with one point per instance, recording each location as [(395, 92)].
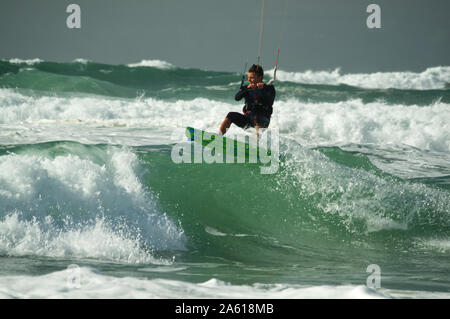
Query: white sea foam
[(27, 61), (431, 78), (98, 120), (153, 63), (424, 127), (372, 123), (440, 245), (362, 201), (95, 285), (73, 205), (92, 284), (97, 241), (81, 60), (18, 108)]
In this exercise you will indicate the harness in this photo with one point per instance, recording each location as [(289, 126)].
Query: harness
[(255, 101)]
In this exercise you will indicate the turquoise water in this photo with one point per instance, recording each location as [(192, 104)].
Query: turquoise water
[(87, 179)]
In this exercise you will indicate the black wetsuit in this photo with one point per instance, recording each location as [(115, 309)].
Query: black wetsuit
[(257, 109)]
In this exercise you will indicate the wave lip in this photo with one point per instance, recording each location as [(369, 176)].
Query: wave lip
[(160, 64), (430, 79), (98, 241), (86, 203), (26, 61)]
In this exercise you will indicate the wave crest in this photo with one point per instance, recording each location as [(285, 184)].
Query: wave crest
[(430, 79)]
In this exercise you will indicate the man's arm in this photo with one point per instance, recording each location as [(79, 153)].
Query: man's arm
[(241, 94), (269, 94)]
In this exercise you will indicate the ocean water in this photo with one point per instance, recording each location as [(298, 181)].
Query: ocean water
[(92, 205)]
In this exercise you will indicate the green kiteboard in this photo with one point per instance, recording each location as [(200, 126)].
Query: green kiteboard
[(226, 145)]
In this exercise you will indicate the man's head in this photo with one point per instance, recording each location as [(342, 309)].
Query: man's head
[(255, 73)]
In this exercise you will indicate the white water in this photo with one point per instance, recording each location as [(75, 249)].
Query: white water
[(163, 65), (24, 117), (87, 283), (429, 79), (87, 204)]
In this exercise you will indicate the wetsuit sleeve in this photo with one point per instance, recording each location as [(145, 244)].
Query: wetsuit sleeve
[(241, 94), (269, 94)]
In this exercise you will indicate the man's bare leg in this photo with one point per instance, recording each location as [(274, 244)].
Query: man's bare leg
[(257, 127), (224, 126)]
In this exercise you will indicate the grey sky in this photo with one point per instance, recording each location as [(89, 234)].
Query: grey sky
[(220, 35)]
